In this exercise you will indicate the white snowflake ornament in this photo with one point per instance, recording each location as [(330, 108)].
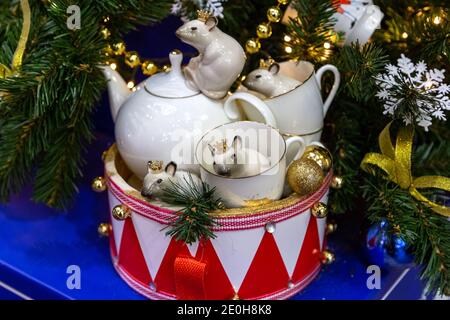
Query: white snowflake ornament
[(414, 93), (215, 7)]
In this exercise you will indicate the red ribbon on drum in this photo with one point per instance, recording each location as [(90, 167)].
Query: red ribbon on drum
[(189, 274)]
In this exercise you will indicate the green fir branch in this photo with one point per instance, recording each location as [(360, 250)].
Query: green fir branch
[(194, 222)]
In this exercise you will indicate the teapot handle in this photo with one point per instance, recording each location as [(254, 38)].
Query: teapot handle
[(232, 111), (337, 82)]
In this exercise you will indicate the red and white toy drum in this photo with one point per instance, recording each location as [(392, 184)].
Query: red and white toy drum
[(266, 252)]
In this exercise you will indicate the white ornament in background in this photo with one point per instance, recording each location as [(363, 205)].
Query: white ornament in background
[(213, 6), (432, 99), (357, 19)]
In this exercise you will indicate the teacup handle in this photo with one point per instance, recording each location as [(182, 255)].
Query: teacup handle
[(232, 111), (337, 82), (302, 146)]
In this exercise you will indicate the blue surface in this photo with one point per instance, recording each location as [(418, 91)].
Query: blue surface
[(38, 244)]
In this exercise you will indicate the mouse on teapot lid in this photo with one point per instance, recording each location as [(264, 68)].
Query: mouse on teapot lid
[(221, 58), (268, 81)]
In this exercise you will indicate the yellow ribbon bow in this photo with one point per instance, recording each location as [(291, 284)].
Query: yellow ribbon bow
[(396, 162), (5, 71)]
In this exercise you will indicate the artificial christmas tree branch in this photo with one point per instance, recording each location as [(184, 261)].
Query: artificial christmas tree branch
[(47, 107)]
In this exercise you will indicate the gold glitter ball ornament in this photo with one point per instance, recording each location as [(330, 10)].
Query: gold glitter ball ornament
[(319, 210), (121, 212), (252, 46), (264, 30), (132, 59), (104, 229), (305, 176), (99, 184), (274, 14), (283, 2), (149, 68), (320, 155)]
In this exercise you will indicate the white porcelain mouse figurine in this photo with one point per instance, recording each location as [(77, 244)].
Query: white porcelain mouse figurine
[(157, 178), (267, 80), (221, 58), (237, 161)]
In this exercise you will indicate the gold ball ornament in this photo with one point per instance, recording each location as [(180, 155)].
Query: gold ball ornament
[(121, 212), (264, 30), (252, 46), (337, 182), (327, 257), (108, 50), (331, 227), (319, 210), (104, 229), (132, 59), (283, 2), (99, 184), (319, 155), (149, 68), (305, 176), (118, 48), (274, 14), (105, 33)]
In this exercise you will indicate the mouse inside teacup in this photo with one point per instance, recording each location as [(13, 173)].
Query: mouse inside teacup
[(268, 81), (234, 160)]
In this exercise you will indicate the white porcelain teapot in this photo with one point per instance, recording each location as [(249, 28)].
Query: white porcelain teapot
[(163, 119)]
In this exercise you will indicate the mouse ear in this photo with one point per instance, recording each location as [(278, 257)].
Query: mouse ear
[(211, 23), (274, 68), (171, 168), (237, 143), (212, 149)]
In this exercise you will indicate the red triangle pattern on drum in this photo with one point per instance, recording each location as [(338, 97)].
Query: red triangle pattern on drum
[(217, 284), (267, 272), (308, 259), (130, 256), (164, 279), (112, 243)]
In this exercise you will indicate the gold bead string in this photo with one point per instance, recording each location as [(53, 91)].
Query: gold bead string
[(264, 29), (132, 59)]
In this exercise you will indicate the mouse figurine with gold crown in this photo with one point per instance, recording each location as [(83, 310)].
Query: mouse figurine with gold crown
[(221, 58)]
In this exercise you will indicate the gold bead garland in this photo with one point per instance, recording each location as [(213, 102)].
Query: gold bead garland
[(131, 58), (104, 229), (99, 184), (264, 29)]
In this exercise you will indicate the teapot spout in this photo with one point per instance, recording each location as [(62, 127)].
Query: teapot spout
[(117, 90)]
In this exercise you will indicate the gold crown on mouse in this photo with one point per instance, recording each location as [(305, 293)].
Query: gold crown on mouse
[(266, 64), (221, 146), (203, 15), (155, 166)]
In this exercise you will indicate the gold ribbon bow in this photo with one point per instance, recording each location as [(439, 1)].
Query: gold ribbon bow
[(5, 71), (396, 162)]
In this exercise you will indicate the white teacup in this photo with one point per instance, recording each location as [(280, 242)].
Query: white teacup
[(299, 112), (248, 190)]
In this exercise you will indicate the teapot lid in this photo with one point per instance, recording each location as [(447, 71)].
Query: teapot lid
[(171, 84)]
